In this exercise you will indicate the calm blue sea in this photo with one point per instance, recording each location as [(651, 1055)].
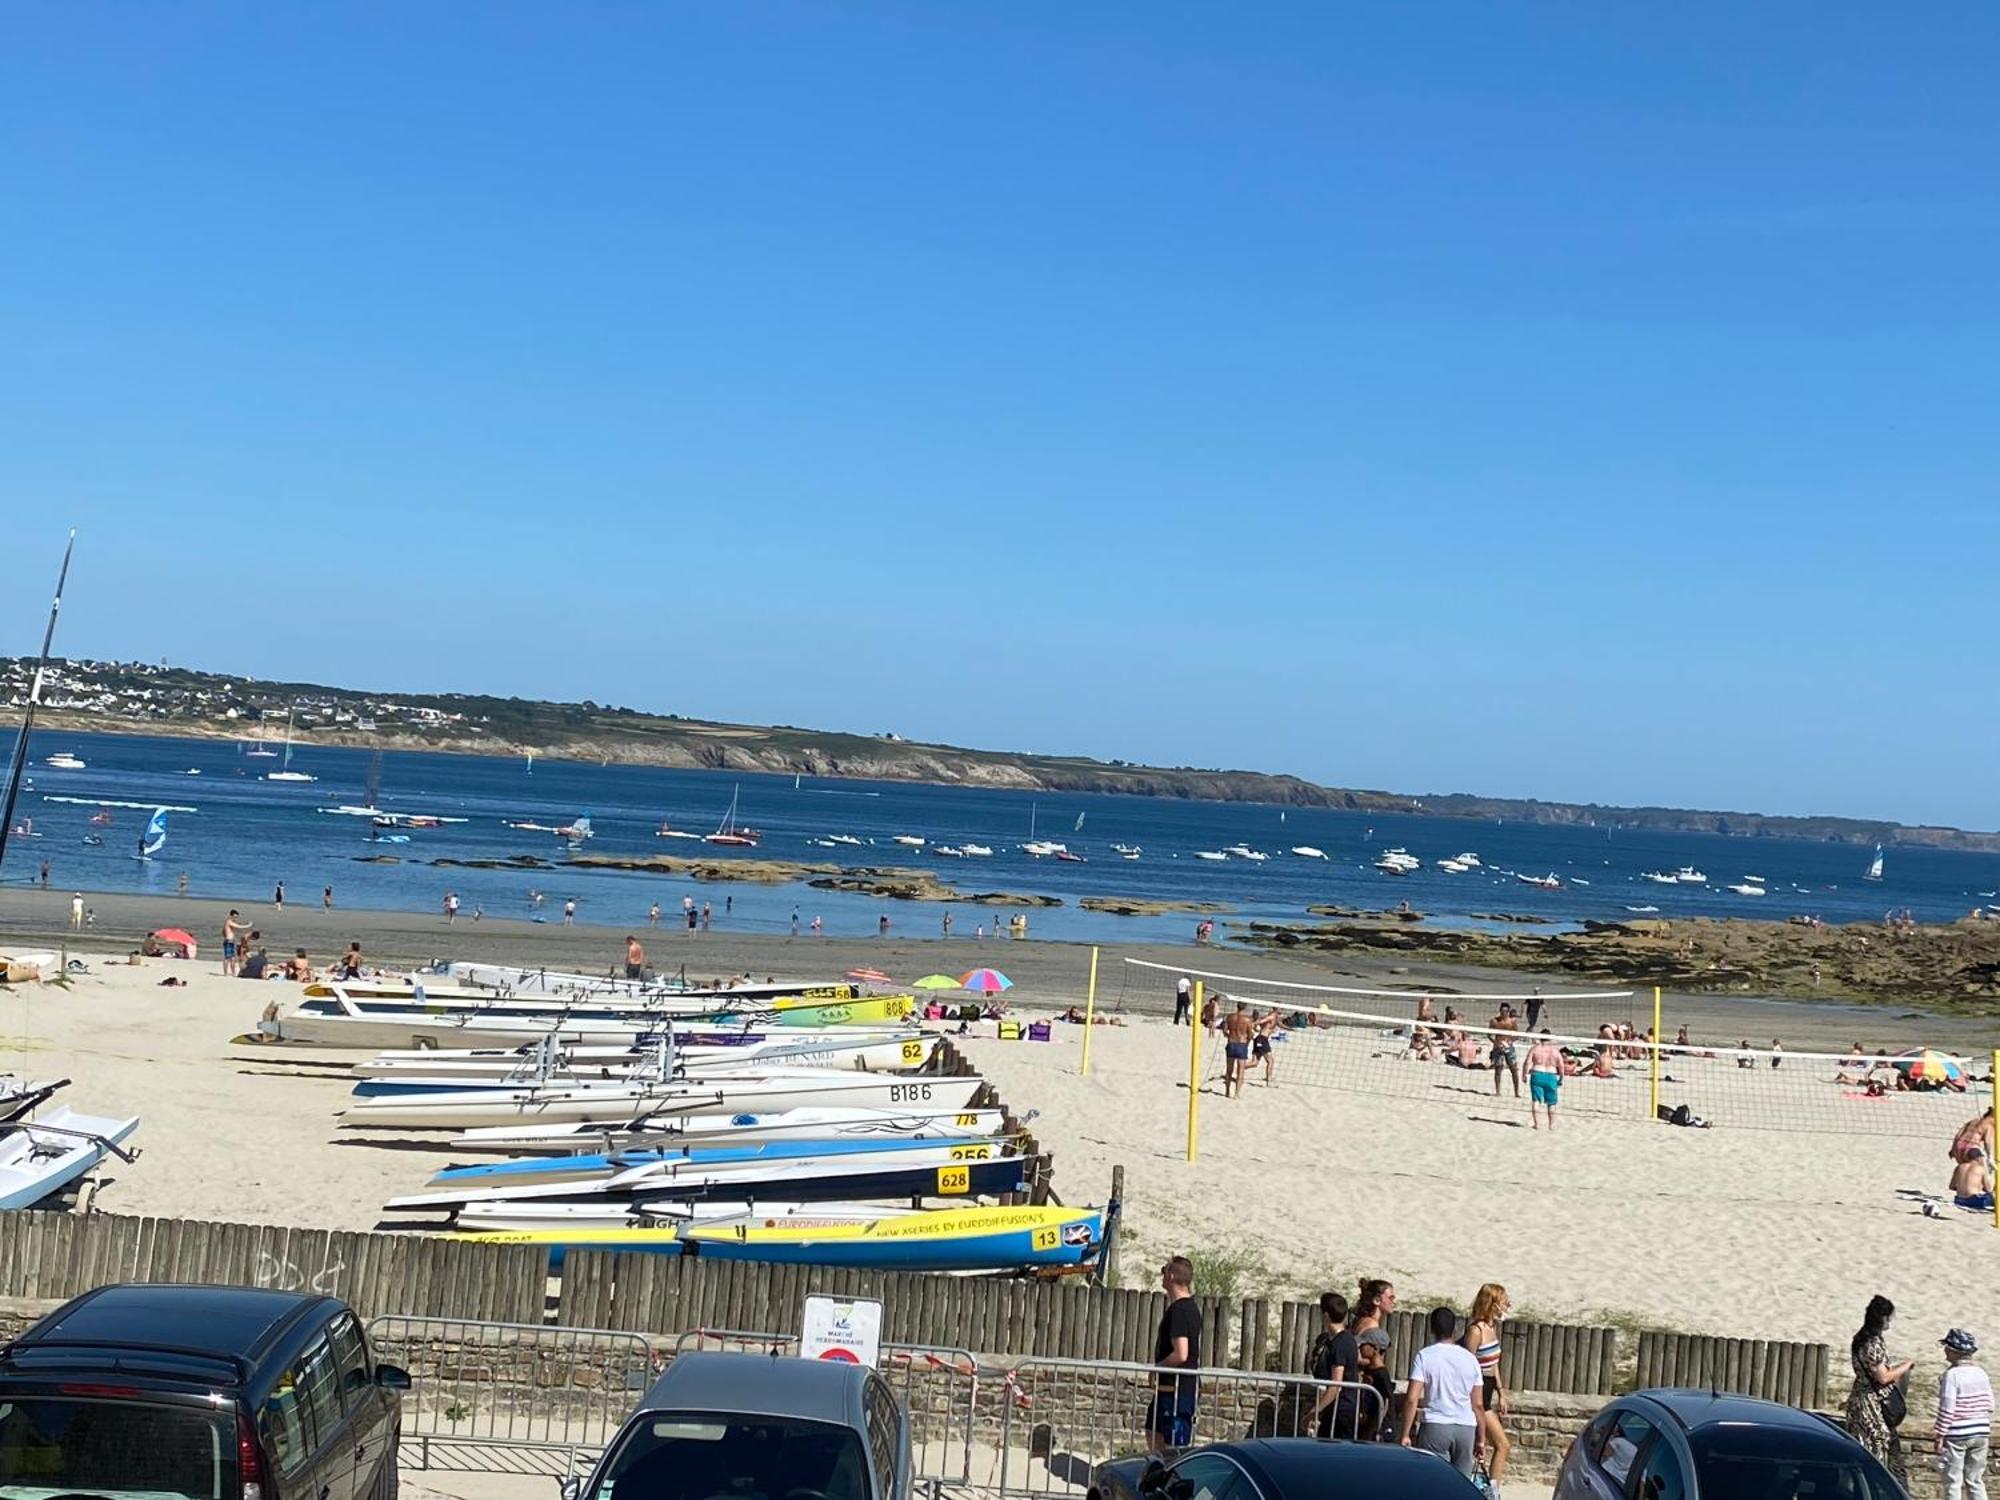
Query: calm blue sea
[(246, 834)]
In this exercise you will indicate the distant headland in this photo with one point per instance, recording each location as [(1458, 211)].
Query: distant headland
[(142, 698)]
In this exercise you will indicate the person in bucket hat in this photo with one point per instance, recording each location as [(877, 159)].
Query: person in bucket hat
[(1964, 1419)]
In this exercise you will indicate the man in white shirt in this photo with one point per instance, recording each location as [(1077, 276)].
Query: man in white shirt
[(1184, 1001), (1444, 1381)]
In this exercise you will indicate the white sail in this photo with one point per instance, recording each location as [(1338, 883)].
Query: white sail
[(1875, 865), (154, 839)]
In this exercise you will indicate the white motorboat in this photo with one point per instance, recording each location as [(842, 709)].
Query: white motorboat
[(947, 851), (976, 851), (1689, 875), (1241, 851), (847, 839), (1659, 877), (1745, 888), (1397, 862), (1452, 866), (42, 1157), (1125, 849), (1469, 860), (1307, 851), (908, 840), (1042, 848), (1547, 882), (1255, 856), (1210, 854), (62, 760)]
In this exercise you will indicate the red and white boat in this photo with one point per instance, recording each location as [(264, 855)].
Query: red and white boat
[(728, 833)]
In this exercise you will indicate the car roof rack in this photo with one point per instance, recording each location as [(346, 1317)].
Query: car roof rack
[(242, 1366)]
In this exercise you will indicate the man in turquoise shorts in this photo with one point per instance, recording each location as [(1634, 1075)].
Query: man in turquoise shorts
[(1545, 1077)]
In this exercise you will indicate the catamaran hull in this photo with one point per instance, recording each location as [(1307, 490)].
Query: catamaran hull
[(43, 1157), (876, 1057), (618, 1106), (736, 1129), (605, 1163)]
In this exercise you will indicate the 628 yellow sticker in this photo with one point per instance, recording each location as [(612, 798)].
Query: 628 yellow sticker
[(1044, 1239), (954, 1180), (913, 1052)]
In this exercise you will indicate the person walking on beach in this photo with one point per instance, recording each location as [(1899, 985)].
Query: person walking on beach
[(1877, 1392), (1238, 1027), (1964, 1419), (1535, 1004), (1545, 1076), (569, 912), (232, 932), (1777, 1053), (45, 874), (278, 896), (326, 900), (1260, 1042), (1506, 1027), (451, 906), (795, 921), (1184, 1000), (76, 912), (184, 882), (635, 958), (1177, 1346), (1443, 1378), (1482, 1342)]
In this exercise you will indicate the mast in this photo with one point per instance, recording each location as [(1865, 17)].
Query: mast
[(34, 697)]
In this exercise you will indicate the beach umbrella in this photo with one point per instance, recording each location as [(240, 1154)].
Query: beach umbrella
[(179, 936), (985, 981), (937, 982), (869, 976), (1927, 1065)]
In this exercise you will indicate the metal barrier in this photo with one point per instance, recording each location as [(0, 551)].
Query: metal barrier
[(521, 1398), (1064, 1417)]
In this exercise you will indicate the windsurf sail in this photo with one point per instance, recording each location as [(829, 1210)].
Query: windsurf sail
[(1079, 824), (1875, 865), (154, 839)]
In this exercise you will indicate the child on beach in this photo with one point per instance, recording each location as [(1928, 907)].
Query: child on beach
[(1964, 1418)]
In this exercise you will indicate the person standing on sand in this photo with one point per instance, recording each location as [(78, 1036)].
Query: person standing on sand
[(232, 932), (707, 914), (795, 921), (1535, 1004), (76, 912), (944, 925), (1335, 1357), (1964, 1418), (1260, 1043), (635, 958), (1545, 1076), (1211, 1008), (1238, 1027), (1184, 1000), (1177, 1346), (326, 900), (569, 912), (45, 874), (1506, 1028), (1777, 1053), (278, 896), (184, 882), (451, 907)]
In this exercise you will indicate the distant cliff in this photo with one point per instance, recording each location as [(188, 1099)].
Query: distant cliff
[(143, 699)]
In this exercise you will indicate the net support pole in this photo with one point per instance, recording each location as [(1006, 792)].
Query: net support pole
[(1656, 1052), (1089, 1012), (1194, 1071), (1991, 1186)]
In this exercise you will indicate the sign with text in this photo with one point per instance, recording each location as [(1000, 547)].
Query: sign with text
[(840, 1328)]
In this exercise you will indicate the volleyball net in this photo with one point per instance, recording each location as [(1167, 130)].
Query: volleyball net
[(1456, 1048)]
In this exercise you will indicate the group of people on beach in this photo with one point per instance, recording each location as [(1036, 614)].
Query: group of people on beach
[(244, 956)]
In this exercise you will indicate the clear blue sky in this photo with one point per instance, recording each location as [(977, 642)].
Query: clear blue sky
[(1584, 401)]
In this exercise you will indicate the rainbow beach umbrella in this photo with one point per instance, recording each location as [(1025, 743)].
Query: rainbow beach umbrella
[(1927, 1065), (985, 981)]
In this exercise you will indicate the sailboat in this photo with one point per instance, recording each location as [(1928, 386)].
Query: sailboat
[(1875, 865), (154, 839), (1039, 848), (287, 773), (531, 762), (726, 832), (258, 750)]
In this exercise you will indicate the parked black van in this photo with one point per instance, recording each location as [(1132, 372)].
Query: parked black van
[(206, 1392)]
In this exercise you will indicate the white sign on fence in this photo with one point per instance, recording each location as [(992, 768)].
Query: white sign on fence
[(843, 1329)]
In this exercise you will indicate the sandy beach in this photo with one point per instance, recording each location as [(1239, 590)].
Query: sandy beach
[(1754, 1232)]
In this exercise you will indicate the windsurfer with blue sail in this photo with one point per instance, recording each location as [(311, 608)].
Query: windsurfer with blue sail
[(155, 837)]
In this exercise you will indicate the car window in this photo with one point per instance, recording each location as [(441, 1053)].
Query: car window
[(53, 1445), (1214, 1478), (673, 1455), (1622, 1444), (1661, 1476), (884, 1434), (1727, 1476), (350, 1351), (318, 1383), (284, 1423)]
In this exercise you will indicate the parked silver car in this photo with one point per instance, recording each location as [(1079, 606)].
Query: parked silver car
[(755, 1425)]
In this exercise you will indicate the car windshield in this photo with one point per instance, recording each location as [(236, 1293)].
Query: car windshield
[(708, 1456), (63, 1445), (1726, 1476)]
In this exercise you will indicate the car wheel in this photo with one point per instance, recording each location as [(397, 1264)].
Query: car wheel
[(389, 1483)]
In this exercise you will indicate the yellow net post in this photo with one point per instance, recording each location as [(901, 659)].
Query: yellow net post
[(1656, 1052), (1194, 1070), (1089, 1013)]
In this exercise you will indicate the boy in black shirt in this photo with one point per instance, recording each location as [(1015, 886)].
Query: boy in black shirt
[(1170, 1422)]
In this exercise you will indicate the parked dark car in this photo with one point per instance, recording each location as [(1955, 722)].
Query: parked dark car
[(752, 1424), (206, 1392), (1700, 1445), (1284, 1469)]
